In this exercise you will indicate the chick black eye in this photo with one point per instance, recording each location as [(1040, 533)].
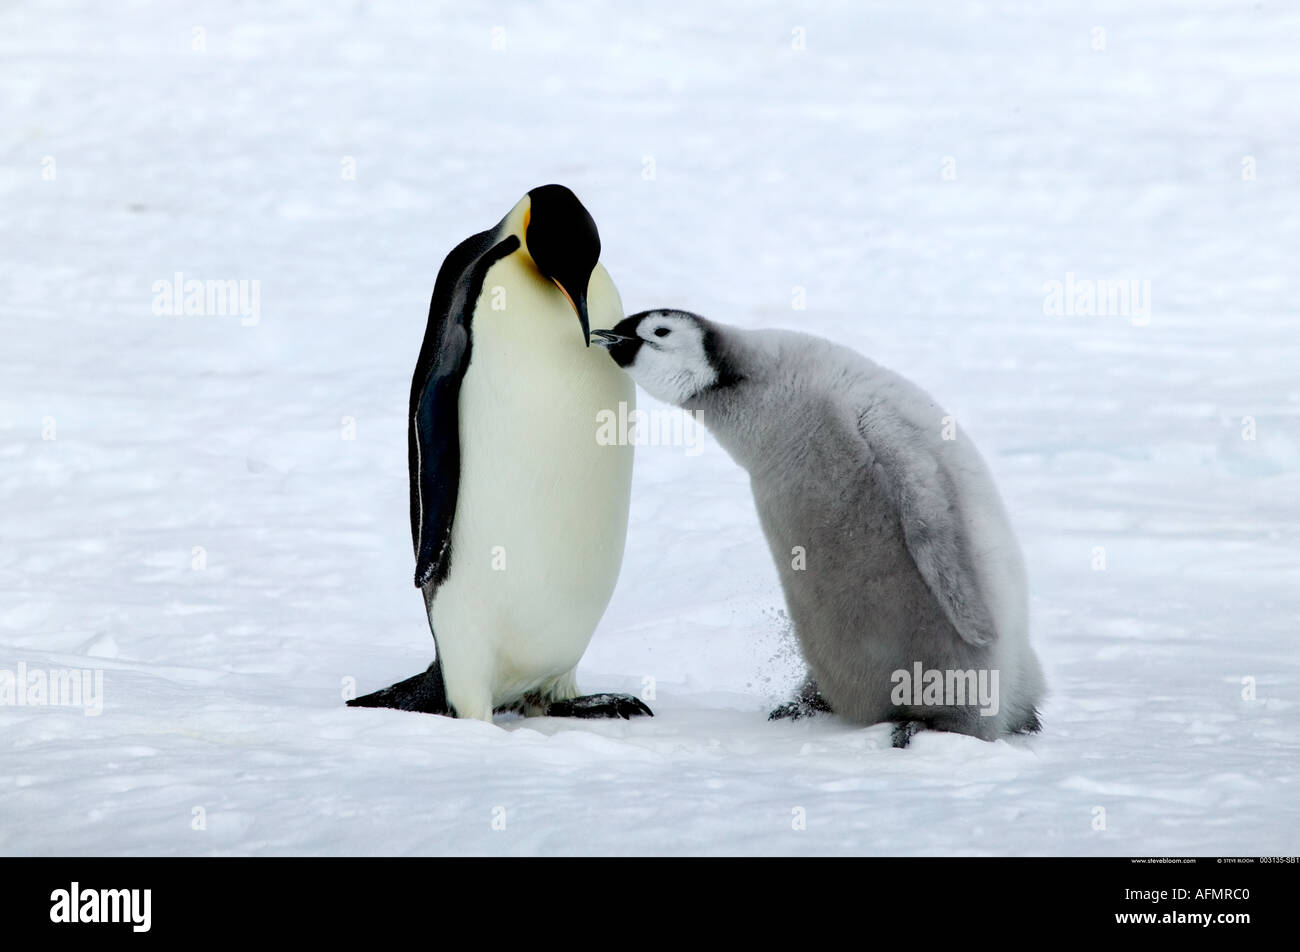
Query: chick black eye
[(662, 331)]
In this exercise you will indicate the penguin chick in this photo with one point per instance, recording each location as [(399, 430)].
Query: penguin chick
[(899, 567)]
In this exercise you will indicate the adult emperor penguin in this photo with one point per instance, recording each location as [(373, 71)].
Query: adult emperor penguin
[(900, 570), (518, 514)]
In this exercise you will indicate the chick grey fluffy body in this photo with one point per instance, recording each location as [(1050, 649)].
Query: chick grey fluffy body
[(891, 540)]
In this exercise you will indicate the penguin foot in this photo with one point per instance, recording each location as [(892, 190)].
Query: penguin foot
[(793, 710), (807, 703), (904, 732), (1031, 724), (600, 705), (423, 693)]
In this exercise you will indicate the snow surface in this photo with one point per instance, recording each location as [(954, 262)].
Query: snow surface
[(773, 167)]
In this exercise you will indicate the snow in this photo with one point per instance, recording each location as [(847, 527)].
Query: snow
[(201, 530)]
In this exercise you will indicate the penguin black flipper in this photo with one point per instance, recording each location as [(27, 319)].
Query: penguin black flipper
[(433, 431), (433, 444)]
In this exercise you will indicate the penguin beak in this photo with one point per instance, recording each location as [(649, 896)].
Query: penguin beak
[(579, 304), (608, 339)]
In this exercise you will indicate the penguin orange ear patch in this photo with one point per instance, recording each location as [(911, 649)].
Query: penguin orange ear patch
[(528, 216)]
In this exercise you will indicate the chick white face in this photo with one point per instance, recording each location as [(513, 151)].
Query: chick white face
[(666, 352)]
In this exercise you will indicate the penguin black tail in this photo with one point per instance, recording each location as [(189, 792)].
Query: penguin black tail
[(424, 693)]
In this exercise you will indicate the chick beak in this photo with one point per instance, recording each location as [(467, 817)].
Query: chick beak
[(608, 339)]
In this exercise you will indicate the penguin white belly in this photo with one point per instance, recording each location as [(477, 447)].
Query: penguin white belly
[(541, 514)]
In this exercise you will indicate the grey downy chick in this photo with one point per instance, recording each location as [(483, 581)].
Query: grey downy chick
[(899, 567)]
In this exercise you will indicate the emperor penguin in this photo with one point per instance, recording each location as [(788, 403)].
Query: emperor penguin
[(518, 513), (900, 570)]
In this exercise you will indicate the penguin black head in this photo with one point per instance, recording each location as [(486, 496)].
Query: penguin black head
[(562, 239), (674, 355)]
